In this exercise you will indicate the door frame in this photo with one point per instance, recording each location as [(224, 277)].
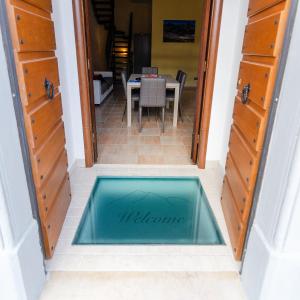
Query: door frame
[(86, 96), (205, 88)]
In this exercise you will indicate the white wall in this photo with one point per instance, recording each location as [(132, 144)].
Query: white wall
[(66, 53), (272, 262), (234, 19), (21, 263)]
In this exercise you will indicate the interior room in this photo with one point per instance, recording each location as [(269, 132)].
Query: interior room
[(139, 40)]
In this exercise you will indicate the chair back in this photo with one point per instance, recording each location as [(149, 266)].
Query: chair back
[(150, 70), (153, 92), (182, 81), (124, 82), (178, 76)]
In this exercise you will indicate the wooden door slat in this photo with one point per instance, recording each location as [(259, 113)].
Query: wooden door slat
[(43, 120), (53, 147), (261, 37), (234, 224), (33, 32), (243, 158), (241, 195), (47, 195), (55, 219), (258, 76), (35, 73), (43, 4), (249, 123), (256, 6)]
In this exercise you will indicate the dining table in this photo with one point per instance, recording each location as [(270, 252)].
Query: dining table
[(134, 82)]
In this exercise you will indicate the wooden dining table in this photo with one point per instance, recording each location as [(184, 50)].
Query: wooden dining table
[(134, 82)]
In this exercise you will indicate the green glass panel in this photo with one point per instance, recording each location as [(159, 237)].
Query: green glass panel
[(146, 210)]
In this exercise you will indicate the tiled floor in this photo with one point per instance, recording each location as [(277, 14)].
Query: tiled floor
[(143, 286), (118, 144)]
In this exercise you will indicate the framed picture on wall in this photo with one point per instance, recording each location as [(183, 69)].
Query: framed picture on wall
[(179, 31)]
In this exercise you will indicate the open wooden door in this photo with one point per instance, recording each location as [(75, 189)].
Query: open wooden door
[(212, 12), (81, 12), (32, 33), (263, 42)]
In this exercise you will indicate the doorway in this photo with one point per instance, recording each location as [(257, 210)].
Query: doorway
[(108, 132)]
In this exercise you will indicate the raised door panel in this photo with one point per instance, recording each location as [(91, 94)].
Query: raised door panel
[(256, 6), (234, 223), (42, 4), (239, 191), (250, 124), (43, 120), (55, 219), (47, 195), (243, 157), (258, 76), (53, 147), (35, 74), (33, 32), (261, 36)]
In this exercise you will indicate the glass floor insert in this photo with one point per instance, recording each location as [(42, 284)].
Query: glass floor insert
[(148, 210)]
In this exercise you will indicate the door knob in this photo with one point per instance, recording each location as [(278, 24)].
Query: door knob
[(49, 87), (245, 93)]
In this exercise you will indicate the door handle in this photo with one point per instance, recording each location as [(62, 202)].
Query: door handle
[(245, 93), (49, 87)]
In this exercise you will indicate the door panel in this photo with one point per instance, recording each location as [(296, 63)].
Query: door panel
[(259, 76), (43, 38), (243, 158), (43, 4), (43, 120), (239, 190), (47, 195), (52, 147), (35, 74), (261, 37), (263, 42), (256, 6), (249, 123), (32, 32), (55, 219)]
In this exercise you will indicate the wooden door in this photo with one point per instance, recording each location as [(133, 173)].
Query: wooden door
[(87, 20), (32, 32), (262, 47), (211, 20)]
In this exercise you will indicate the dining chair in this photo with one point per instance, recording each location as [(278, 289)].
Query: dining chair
[(150, 70), (135, 94), (170, 97), (153, 94)]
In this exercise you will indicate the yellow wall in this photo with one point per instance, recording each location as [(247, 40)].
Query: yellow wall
[(142, 15), (98, 39), (170, 57)]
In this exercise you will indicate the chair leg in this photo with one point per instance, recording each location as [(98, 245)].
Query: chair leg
[(163, 119), (180, 112), (125, 109), (140, 118)]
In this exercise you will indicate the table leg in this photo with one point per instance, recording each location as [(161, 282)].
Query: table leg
[(128, 106), (176, 104)]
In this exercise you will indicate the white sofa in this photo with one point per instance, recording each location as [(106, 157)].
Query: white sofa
[(102, 87)]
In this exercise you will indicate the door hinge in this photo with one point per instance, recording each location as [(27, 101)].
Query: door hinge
[(205, 66)]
